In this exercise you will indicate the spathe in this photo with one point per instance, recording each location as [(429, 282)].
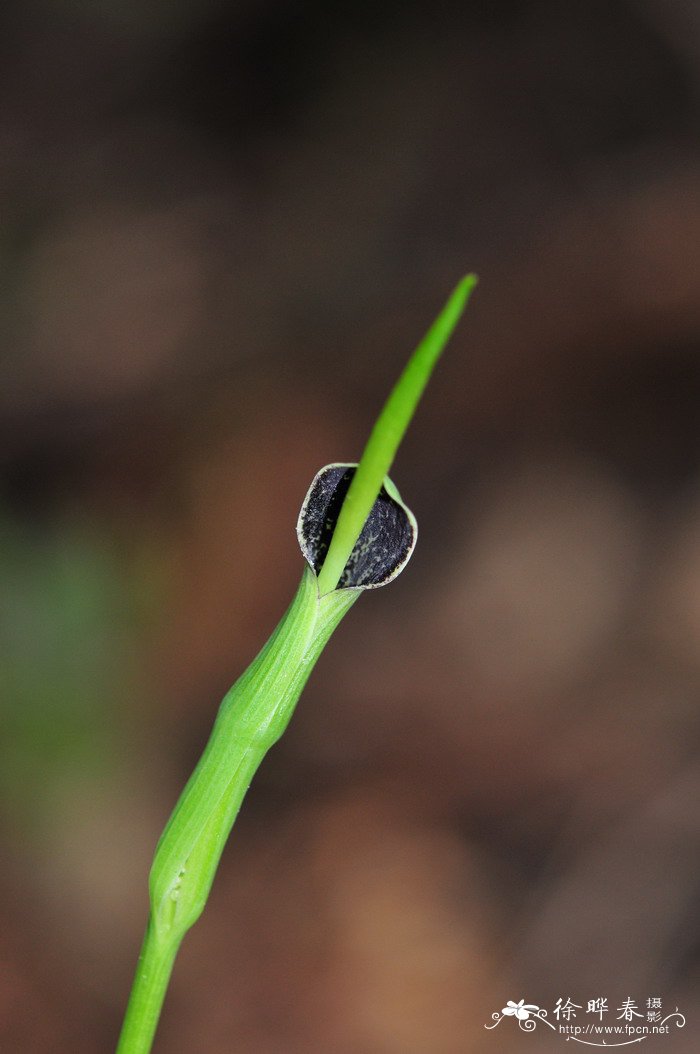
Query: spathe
[(386, 541)]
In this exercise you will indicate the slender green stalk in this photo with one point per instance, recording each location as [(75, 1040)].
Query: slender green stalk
[(148, 992), (253, 715), (257, 709), (387, 434)]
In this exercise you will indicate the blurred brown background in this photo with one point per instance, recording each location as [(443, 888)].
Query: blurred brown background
[(224, 225)]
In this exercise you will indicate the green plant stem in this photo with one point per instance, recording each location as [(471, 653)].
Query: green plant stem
[(253, 715), (147, 994), (387, 434)]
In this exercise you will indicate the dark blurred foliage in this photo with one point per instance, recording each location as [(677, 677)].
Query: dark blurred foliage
[(223, 228)]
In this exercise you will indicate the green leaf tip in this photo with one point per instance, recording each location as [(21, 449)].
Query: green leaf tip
[(389, 429)]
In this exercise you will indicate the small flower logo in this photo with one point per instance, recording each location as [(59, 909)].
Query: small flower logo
[(521, 1009)]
